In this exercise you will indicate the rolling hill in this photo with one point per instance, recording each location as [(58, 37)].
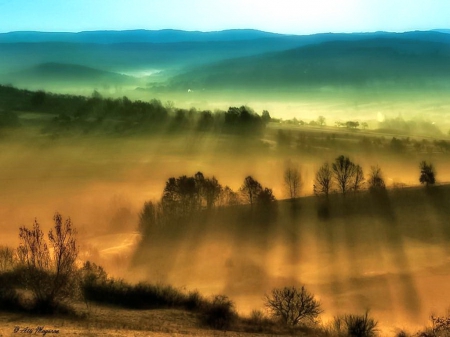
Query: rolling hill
[(63, 74), (166, 49), (227, 59), (370, 62)]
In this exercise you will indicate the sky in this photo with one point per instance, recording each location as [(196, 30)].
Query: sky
[(280, 16)]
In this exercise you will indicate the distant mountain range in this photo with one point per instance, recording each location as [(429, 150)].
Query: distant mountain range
[(136, 36), (227, 59)]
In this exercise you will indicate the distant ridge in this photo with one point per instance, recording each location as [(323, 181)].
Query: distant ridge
[(135, 36), (446, 31), (171, 36), (376, 61)]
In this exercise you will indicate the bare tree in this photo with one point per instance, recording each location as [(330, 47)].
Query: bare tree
[(65, 252), (228, 197), (358, 179), (344, 173), (292, 305), (323, 181), (292, 181), (149, 217), (7, 258), (49, 273), (376, 180)]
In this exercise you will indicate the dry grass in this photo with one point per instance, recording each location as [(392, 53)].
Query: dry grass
[(106, 321)]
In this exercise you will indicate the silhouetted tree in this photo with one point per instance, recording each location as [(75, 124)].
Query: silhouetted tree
[(321, 120), (427, 174), (210, 191), (344, 173), (205, 121), (292, 181), (358, 179), (323, 180), (250, 189), (397, 145), (376, 180), (228, 197), (49, 274), (265, 196), (292, 305), (266, 117), (149, 217), (181, 196), (352, 124)]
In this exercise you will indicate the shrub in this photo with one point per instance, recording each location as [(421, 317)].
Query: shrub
[(9, 298), (195, 302), (95, 286), (441, 325), (356, 325), (220, 313), (259, 322), (293, 305)]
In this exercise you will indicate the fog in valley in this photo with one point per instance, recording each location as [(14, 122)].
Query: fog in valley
[(101, 147)]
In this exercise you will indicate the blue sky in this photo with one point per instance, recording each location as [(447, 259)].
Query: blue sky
[(283, 16)]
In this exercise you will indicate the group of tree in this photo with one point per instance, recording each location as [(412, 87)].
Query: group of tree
[(344, 176), (122, 115), (185, 196)]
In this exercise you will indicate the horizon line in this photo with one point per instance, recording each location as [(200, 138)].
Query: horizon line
[(219, 31)]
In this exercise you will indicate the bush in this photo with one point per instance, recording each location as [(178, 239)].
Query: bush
[(258, 322), (195, 302), (356, 325), (441, 325), (9, 298), (95, 286), (293, 305), (220, 313)]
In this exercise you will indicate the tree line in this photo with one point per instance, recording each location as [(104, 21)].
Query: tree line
[(183, 197), (343, 176), (122, 115)]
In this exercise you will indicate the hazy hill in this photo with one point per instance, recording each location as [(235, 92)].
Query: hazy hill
[(60, 73), (368, 62), (167, 49), (214, 59), (134, 56)]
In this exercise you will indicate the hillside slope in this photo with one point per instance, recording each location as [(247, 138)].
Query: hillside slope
[(370, 62), (62, 74)]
